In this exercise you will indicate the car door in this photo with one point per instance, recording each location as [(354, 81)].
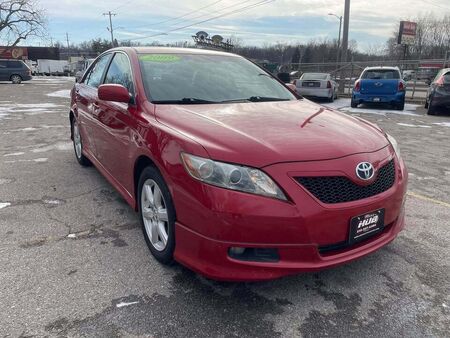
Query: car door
[(117, 124), (87, 103)]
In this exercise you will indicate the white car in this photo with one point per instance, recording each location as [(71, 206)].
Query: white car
[(319, 85)]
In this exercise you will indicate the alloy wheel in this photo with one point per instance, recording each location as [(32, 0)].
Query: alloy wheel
[(77, 140), (154, 214), (16, 79)]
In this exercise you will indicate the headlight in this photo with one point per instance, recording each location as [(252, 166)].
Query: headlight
[(394, 144), (231, 176)]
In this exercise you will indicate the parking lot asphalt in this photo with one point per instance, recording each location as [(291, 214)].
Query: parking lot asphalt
[(73, 261)]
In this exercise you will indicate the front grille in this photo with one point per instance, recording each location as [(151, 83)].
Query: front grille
[(340, 189)]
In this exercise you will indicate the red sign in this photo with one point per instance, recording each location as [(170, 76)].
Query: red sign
[(20, 53), (409, 28), (407, 33)]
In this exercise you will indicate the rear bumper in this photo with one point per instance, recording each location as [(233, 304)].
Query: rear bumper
[(210, 257), (441, 99), (378, 98), (315, 92)]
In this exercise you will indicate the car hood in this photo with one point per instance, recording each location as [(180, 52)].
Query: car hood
[(263, 133)]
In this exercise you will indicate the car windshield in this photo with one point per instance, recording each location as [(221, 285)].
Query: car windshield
[(314, 76), (381, 74), (199, 79)]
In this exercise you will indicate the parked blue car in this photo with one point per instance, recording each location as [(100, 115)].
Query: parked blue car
[(380, 85)]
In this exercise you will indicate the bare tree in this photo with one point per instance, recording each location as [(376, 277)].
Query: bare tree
[(19, 20)]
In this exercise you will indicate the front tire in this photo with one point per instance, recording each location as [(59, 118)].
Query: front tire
[(16, 79), (78, 145), (157, 215)]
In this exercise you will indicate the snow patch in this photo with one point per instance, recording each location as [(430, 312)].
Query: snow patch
[(344, 106), (71, 236), (4, 205), (413, 125), (37, 160), (123, 304), (443, 124), (57, 146), (65, 93), (14, 154)]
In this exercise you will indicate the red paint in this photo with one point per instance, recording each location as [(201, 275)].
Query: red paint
[(114, 93), (284, 139)]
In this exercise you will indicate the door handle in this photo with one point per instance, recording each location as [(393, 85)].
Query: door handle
[(95, 108)]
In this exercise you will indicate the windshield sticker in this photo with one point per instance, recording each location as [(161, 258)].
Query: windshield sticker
[(159, 58)]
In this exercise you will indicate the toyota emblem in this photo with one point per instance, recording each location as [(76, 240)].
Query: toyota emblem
[(365, 171)]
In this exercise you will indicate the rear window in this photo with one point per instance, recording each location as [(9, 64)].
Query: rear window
[(381, 74), (447, 78), (314, 76)]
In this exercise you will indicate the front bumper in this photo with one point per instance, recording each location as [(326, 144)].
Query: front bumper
[(214, 220), (378, 98)]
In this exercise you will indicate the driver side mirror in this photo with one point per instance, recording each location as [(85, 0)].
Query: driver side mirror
[(113, 92)]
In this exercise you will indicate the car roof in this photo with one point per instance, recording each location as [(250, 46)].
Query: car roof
[(173, 50), (382, 67), (318, 73)]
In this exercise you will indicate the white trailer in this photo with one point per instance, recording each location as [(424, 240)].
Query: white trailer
[(50, 67)]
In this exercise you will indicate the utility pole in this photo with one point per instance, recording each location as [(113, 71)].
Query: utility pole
[(68, 46), (339, 38), (111, 30), (344, 44)]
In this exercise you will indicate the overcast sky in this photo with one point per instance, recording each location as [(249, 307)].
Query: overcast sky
[(254, 21)]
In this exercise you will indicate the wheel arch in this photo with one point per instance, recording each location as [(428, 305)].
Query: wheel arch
[(142, 162), (71, 118)]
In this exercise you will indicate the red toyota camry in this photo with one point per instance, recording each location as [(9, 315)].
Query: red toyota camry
[(232, 174)]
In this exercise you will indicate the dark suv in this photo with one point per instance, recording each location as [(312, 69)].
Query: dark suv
[(15, 71)]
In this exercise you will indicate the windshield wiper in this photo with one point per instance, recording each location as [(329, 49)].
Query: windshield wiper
[(265, 99), (256, 99), (185, 100)]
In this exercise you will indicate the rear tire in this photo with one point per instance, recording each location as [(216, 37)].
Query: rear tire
[(78, 144), (16, 79), (157, 215), (426, 103), (400, 106), (353, 104), (431, 108)]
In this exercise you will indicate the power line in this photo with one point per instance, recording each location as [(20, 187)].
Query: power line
[(260, 3), (195, 17), (184, 15), (123, 5), (434, 4)]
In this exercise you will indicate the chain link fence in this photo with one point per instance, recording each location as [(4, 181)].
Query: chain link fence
[(416, 73)]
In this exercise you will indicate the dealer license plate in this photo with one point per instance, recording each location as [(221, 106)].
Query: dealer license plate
[(364, 226)]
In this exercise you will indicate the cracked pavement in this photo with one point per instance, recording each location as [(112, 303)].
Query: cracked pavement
[(73, 261)]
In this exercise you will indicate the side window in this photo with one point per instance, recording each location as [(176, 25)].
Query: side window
[(94, 78), (119, 72), (14, 64), (447, 78), (438, 75)]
